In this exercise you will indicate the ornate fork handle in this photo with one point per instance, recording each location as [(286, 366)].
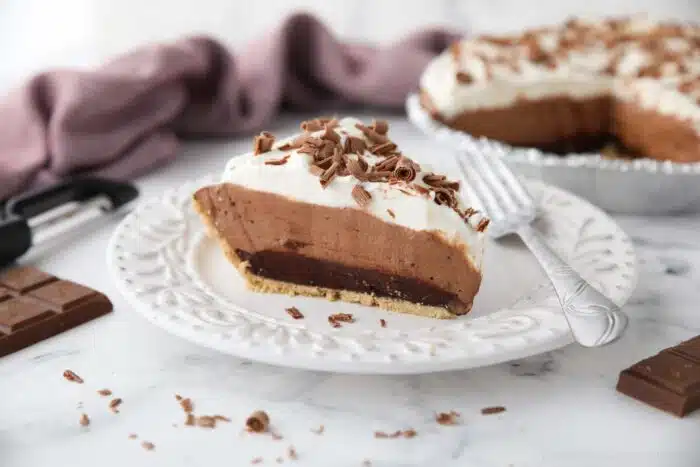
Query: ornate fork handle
[(593, 318)]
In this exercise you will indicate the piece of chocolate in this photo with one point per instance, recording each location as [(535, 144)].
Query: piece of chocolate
[(670, 380), (35, 305)]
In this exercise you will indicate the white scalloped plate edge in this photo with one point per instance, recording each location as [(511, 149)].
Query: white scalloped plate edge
[(181, 304)]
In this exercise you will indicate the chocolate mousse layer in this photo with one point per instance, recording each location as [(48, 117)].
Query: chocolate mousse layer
[(563, 125), (286, 246)]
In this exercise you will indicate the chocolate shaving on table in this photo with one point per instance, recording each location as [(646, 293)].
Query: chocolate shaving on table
[(371, 135), (405, 170), (114, 404), (380, 126), (447, 418), (258, 422), (492, 410), (361, 196), (263, 143), (482, 225), (382, 322), (104, 392), (383, 149), (277, 161), (294, 312), (84, 420), (71, 376), (148, 446)]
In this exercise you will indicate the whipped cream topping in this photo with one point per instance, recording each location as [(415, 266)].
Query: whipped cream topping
[(654, 64), (399, 203)]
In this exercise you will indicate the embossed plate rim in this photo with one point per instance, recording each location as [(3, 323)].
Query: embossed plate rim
[(177, 301)]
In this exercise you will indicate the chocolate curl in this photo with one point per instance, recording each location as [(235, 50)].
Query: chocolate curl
[(440, 181), (388, 164), (371, 135), (380, 126), (405, 170), (354, 145), (361, 196), (383, 149), (277, 161), (356, 168), (444, 196), (327, 176), (263, 143)]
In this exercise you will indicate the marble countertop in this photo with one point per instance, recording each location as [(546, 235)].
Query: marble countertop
[(562, 409)]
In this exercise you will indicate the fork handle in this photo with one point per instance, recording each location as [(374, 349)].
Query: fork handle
[(593, 318)]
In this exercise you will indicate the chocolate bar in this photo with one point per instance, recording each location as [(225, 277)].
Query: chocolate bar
[(670, 380), (35, 305)]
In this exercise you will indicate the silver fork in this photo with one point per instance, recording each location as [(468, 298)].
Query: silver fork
[(594, 319)]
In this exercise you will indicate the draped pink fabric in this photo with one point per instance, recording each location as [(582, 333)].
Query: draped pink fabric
[(129, 115)]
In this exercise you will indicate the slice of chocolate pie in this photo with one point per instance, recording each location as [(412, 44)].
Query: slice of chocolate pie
[(338, 212)]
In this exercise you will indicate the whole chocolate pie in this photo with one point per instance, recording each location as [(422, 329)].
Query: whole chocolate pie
[(339, 212), (579, 87)]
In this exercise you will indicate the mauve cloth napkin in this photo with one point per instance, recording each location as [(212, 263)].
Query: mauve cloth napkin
[(128, 116)]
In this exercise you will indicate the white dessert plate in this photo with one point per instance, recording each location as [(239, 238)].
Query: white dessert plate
[(177, 278), (635, 186)]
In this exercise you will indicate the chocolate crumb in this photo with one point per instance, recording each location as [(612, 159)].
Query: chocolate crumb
[(256, 460), (187, 405), (483, 223), (205, 421), (492, 410), (114, 404), (294, 312), (382, 322), (84, 420), (319, 430), (277, 161), (178, 397), (447, 418), (133, 436), (337, 318), (391, 213), (361, 196), (148, 446), (72, 377), (258, 422), (410, 433), (263, 143), (189, 420), (104, 392), (292, 453)]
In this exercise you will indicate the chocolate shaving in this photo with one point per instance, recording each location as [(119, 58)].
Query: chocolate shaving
[(354, 145), (405, 169), (440, 181), (71, 376), (356, 169), (277, 161), (410, 433), (492, 410), (361, 196), (263, 143), (444, 196), (294, 312), (330, 135), (258, 422), (114, 404), (190, 420), (372, 135), (382, 322), (447, 418), (391, 213), (482, 225), (382, 176), (388, 164), (380, 126), (104, 392), (187, 405), (327, 176), (84, 420), (148, 446), (383, 149), (311, 125)]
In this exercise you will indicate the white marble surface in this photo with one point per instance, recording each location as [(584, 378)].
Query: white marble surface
[(562, 409)]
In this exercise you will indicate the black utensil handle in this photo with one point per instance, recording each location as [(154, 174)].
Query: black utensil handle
[(15, 239), (80, 189)]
